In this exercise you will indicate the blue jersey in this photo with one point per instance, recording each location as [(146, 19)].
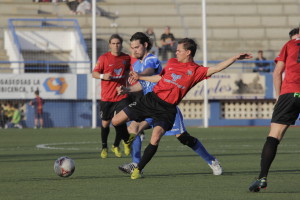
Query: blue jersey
[(150, 61)]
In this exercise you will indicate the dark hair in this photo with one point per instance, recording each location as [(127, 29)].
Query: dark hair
[(293, 32), (143, 38), (189, 44), (116, 36), (37, 92)]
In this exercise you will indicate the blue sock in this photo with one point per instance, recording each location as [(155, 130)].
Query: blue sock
[(136, 149), (201, 151)]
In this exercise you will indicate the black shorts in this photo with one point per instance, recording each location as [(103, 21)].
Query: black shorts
[(109, 109), (38, 115), (135, 96), (287, 109), (151, 106)]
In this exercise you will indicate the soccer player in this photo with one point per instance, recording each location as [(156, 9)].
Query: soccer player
[(37, 104), (287, 107), (175, 80), (148, 64), (112, 68)]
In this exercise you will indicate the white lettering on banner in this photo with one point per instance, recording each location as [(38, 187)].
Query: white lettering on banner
[(13, 89), (51, 86), (216, 89)]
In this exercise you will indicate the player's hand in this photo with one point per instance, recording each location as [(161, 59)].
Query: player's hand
[(121, 90), (107, 76), (133, 77), (243, 56)]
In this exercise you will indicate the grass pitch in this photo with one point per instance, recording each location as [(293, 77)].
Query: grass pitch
[(176, 172)]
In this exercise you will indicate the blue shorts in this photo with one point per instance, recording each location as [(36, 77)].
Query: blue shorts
[(178, 126)]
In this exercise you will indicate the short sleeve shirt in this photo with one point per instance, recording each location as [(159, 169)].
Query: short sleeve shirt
[(150, 61), (177, 79), (117, 66), (290, 55)]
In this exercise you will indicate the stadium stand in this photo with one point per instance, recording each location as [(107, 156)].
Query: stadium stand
[(244, 25)]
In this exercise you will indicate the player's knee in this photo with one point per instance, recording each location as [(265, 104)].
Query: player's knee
[(115, 121), (187, 139), (133, 128)]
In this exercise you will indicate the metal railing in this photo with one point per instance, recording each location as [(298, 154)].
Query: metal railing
[(44, 66), (44, 23), (48, 66)]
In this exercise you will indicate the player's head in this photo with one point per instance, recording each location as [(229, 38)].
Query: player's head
[(115, 44), (37, 92), (294, 33), (140, 44), (186, 49)]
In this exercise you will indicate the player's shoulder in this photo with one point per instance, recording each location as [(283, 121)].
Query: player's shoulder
[(293, 42), (105, 55), (151, 58), (125, 55), (194, 64), (173, 60)]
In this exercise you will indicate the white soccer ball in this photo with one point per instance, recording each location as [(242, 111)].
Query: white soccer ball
[(64, 166)]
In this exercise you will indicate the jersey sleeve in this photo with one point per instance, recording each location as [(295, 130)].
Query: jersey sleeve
[(162, 72), (282, 55), (152, 63), (99, 65), (201, 73)]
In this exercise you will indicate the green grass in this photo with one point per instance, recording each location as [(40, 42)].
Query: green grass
[(176, 172)]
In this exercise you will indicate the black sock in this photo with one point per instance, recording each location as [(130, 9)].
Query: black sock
[(147, 156), (104, 136), (267, 156), (120, 130)]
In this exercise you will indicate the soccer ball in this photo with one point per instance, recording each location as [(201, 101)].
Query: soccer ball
[(64, 166)]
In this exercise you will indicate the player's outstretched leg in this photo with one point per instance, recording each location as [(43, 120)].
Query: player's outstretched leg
[(192, 142), (147, 156), (135, 154), (136, 149)]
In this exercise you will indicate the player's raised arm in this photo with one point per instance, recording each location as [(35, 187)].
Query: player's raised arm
[(223, 65)]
